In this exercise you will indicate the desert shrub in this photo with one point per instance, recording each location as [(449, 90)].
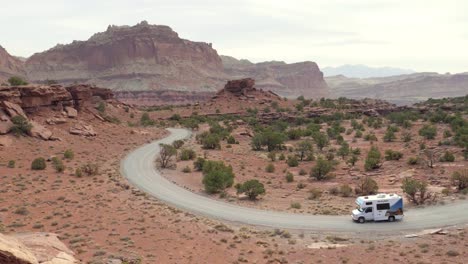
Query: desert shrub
[(231, 140), (366, 186), (358, 134), (345, 190), (393, 155), (175, 117), (78, 172), (294, 133), (304, 149), (321, 169), (272, 155), (334, 190), (406, 137), (16, 81), (209, 140), (321, 140), (90, 169), (302, 172), (289, 177), (252, 188), (460, 179), (217, 176), (370, 137), (292, 161), (301, 185), (282, 156), (413, 161), (38, 164), (373, 159), (166, 154), (178, 143), (186, 169), (416, 190), (187, 154), (447, 157), (145, 120), (428, 131), (58, 164), (352, 160), (295, 205), (271, 139), (270, 168), (21, 125), (314, 193), (11, 164), (344, 150), (101, 107), (69, 154), (198, 164)]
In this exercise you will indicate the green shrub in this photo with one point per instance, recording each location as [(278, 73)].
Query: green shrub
[(406, 137), (166, 154), (334, 190), (272, 155), (21, 125), (145, 120), (101, 107), (187, 154), (252, 188), (314, 193), (428, 131), (302, 172), (58, 164), (393, 155), (416, 190), (413, 161), (292, 161), (217, 176), (175, 117), (17, 81), (289, 177), (320, 139), (78, 172), (38, 164), (231, 140), (198, 164), (68, 154), (294, 133), (282, 157), (270, 168), (447, 157), (373, 159), (11, 164), (295, 205), (389, 135), (178, 143), (345, 190), (305, 149), (358, 134), (370, 137), (209, 140), (321, 169)]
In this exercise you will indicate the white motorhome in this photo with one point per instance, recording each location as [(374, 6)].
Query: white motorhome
[(378, 208)]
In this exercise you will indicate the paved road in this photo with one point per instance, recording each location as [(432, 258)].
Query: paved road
[(139, 168)]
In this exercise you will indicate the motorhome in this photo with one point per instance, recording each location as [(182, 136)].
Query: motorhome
[(378, 207)]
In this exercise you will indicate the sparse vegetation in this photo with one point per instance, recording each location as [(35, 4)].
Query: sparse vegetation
[(373, 159), (217, 176), (166, 154), (416, 190), (252, 188), (21, 126), (321, 169), (38, 164)]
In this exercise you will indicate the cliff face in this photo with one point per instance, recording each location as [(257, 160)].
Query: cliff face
[(141, 57), (9, 65), (289, 80)]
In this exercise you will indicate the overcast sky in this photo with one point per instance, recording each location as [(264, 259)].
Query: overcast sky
[(424, 35)]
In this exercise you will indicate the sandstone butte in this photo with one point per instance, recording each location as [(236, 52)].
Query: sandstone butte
[(152, 60)]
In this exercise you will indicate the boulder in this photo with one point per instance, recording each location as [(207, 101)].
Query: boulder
[(5, 126), (15, 252), (55, 121), (47, 248), (12, 109), (82, 129), (71, 112), (39, 131)]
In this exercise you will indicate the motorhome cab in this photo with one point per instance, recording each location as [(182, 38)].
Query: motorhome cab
[(378, 208)]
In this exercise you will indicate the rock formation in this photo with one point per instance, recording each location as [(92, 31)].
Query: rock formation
[(21, 100), (288, 80), (10, 66), (34, 248), (244, 90), (140, 57)]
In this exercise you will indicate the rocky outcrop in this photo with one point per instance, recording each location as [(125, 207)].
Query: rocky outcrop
[(140, 57), (152, 98), (34, 248), (10, 66), (288, 80), (82, 129), (243, 90)]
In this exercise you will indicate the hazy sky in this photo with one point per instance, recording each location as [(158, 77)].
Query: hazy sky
[(424, 35)]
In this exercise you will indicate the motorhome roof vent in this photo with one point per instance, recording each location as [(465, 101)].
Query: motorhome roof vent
[(367, 197), (381, 196)]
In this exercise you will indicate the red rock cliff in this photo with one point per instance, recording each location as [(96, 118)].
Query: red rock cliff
[(141, 57), (9, 65)]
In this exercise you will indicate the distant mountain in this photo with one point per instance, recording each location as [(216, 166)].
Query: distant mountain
[(400, 89), (9, 65), (363, 71), (288, 80)]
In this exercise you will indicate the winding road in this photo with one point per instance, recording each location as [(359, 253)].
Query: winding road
[(139, 168)]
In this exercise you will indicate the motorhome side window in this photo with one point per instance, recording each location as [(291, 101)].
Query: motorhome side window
[(369, 210), (384, 206), (368, 203)]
